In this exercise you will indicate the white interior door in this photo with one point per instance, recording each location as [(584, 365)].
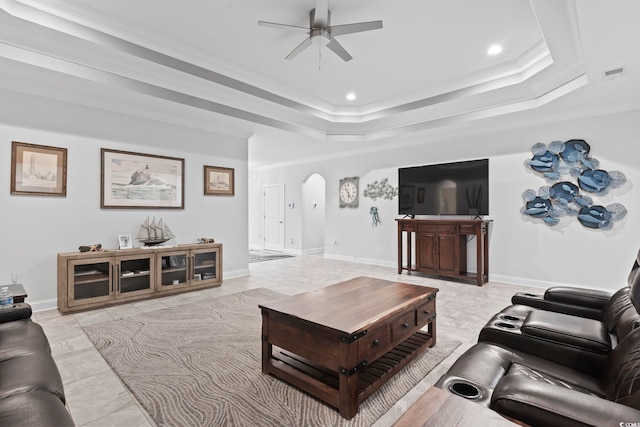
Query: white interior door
[(274, 217)]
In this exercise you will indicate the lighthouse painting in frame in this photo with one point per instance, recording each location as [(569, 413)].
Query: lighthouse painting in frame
[(138, 181), (38, 170)]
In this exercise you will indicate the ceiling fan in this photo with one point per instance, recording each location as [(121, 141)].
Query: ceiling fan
[(322, 33)]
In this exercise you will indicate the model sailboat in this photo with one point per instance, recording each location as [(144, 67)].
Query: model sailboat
[(152, 233)]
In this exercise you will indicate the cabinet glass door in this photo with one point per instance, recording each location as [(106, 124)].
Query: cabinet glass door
[(135, 275), (90, 281), (174, 271), (204, 264)]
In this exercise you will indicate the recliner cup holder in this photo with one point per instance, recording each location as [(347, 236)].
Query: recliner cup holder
[(466, 390), (510, 317), (506, 325)]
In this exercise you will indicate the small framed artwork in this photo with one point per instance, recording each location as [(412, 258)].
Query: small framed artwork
[(140, 181), (421, 195), (125, 241), (218, 181), (38, 170)]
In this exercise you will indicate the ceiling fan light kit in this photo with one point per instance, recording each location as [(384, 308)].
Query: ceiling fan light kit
[(321, 33), (319, 37)]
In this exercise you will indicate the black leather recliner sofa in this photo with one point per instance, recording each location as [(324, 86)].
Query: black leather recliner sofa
[(31, 391), (582, 302), (540, 392), (550, 333), (548, 369)]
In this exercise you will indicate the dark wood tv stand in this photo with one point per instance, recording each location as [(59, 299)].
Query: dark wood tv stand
[(441, 247)]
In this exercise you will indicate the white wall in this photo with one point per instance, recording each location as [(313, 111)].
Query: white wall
[(521, 251), (313, 214), (35, 229)]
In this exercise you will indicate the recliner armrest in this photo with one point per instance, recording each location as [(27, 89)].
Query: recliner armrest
[(584, 334), (574, 309), (19, 311), (538, 403), (591, 298)]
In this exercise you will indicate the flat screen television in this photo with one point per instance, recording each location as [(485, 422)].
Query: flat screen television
[(460, 188)]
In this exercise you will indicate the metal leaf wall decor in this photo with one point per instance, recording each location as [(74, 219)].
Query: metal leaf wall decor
[(559, 163), (380, 190)]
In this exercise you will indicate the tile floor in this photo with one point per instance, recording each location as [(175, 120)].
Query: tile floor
[(96, 397)]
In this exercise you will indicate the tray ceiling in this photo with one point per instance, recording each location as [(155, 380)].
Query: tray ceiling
[(427, 67)]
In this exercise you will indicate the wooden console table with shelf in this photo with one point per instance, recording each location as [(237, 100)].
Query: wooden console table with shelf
[(441, 247), (88, 280)]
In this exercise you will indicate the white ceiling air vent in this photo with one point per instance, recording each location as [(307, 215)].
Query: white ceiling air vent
[(614, 73)]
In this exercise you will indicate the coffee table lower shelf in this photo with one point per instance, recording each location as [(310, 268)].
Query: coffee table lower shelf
[(324, 383)]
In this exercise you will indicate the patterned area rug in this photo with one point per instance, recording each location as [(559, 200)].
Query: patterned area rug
[(200, 365), (259, 256)]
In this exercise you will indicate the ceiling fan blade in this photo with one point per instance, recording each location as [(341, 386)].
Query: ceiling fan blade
[(284, 27), (339, 50), (338, 30), (321, 14), (302, 46)]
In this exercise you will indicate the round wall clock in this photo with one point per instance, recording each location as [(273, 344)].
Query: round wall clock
[(348, 192)]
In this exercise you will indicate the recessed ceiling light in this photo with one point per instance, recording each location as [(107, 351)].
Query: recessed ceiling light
[(494, 50), (351, 96)]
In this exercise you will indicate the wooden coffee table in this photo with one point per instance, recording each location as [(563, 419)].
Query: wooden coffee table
[(342, 342)]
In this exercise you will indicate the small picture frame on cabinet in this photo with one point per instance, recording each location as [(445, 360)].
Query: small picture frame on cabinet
[(125, 241)]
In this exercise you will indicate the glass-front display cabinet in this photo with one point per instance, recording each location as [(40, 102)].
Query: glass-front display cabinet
[(89, 280), (174, 269), (182, 269), (135, 275), (205, 264)]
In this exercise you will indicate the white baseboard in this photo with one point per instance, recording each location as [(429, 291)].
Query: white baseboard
[(43, 305), (234, 274), (313, 251), (298, 252), (368, 261), (523, 281)]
